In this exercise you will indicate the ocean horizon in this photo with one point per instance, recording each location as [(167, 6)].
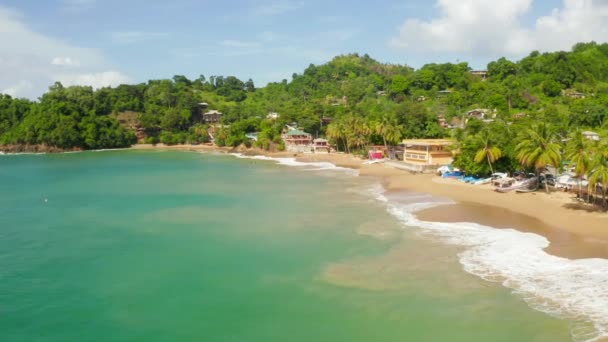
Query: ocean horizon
[(158, 245)]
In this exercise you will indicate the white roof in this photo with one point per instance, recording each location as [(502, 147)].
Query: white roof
[(213, 112)]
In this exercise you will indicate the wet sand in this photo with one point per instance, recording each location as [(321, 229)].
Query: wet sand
[(564, 243)]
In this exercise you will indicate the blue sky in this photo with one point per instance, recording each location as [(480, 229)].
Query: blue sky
[(108, 42)]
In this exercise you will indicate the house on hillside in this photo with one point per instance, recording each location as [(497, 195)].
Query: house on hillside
[(212, 116), (297, 141), (573, 94), (591, 135), (481, 73), (477, 114), (272, 116), (326, 120), (519, 115)]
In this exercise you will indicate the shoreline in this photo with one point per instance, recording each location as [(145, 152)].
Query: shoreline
[(573, 230)]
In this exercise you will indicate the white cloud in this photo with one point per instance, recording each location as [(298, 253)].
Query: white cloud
[(278, 7), (32, 61), (491, 28), (130, 37), (19, 88), (96, 80), (66, 61)]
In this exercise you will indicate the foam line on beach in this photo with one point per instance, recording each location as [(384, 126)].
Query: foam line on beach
[(23, 153), (576, 290), (308, 166)]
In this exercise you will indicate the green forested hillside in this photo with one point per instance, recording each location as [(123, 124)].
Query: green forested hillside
[(362, 97)]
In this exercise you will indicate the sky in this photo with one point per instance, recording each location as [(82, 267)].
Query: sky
[(110, 42)]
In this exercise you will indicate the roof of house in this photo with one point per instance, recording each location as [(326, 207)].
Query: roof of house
[(297, 132), (589, 133), (320, 140), (212, 112), (427, 142)]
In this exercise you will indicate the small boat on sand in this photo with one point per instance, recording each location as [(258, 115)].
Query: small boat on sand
[(523, 185)]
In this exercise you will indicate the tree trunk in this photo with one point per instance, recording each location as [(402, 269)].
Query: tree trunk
[(386, 146), (538, 180), (347, 146), (490, 164)]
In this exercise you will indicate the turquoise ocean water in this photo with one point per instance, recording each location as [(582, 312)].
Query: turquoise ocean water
[(179, 246)]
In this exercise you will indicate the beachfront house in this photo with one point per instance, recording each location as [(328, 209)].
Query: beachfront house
[(212, 116), (426, 154), (320, 145), (297, 141)]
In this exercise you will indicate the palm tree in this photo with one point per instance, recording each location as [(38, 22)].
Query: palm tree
[(598, 175), (337, 131), (488, 152), (389, 130), (538, 148), (577, 152), (358, 131)]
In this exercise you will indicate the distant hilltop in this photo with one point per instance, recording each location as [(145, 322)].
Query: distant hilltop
[(425, 102)]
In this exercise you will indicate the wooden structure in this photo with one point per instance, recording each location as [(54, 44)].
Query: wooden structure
[(297, 141), (426, 154)]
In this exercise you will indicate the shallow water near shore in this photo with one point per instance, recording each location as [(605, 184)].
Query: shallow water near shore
[(156, 246)]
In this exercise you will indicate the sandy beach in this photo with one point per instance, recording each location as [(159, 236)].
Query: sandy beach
[(574, 229)]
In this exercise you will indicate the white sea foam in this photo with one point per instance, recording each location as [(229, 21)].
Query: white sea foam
[(110, 149), (307, 166), (23, 153), (576, 290)]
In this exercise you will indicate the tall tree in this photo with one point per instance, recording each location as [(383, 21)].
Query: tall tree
[(389, 130), (488, 152), (577, 152), (538, 147), (598, 175)]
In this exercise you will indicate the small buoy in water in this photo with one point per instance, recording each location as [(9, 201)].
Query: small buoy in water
[(46, 200)]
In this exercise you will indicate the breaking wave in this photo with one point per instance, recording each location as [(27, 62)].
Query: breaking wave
[(308, 166), (576, 290)]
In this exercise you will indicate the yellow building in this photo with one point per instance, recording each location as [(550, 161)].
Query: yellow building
[(427, 153)]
